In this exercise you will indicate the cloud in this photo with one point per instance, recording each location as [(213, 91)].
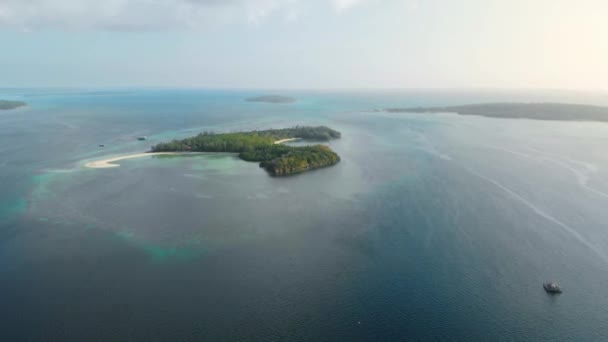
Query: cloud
[(131, 15), (342, 5), (134, 15)]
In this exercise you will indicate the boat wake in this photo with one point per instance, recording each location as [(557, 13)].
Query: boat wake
[(542, 213), (424, 144), (582, 176)]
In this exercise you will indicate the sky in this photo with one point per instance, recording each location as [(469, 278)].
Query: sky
[(305, 44)]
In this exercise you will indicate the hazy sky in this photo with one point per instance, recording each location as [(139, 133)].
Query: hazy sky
[(305, 43)]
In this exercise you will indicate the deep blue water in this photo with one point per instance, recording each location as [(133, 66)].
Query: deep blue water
[(433, 227)]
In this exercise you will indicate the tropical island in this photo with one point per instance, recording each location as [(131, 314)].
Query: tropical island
[(271, 99), (6, 105), (264, 147), (536, 111)]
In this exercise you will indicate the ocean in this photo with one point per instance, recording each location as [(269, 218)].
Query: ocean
[(432, 227)]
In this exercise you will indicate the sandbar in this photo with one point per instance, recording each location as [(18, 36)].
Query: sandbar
[(286, 140), (108, 163)]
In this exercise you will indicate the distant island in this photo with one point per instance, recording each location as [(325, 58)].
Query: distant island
[(272, 99), (537, 111), (265, 147), (6, 105)]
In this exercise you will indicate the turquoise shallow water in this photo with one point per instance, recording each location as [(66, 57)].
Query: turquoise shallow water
[(437, 227)]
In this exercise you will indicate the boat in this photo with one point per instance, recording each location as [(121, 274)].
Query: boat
[(552, 287), (142, 138), (102, 145)]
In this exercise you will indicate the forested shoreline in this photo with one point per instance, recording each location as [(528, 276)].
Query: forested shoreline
[(6, 104), (514, 110)]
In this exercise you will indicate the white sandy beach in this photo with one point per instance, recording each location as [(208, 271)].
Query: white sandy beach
[(108, 163), (286, 140)]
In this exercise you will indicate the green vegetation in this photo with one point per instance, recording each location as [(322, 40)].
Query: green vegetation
[(300, 159), (5, 104), (259, 146), (536, 111), (272, 99)]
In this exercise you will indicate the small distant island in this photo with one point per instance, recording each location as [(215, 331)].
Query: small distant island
[(265, 147), (536, 111), (6, 105), (272, 99)]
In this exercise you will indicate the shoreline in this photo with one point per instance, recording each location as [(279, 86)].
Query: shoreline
[(286, 140), (109, 162)]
